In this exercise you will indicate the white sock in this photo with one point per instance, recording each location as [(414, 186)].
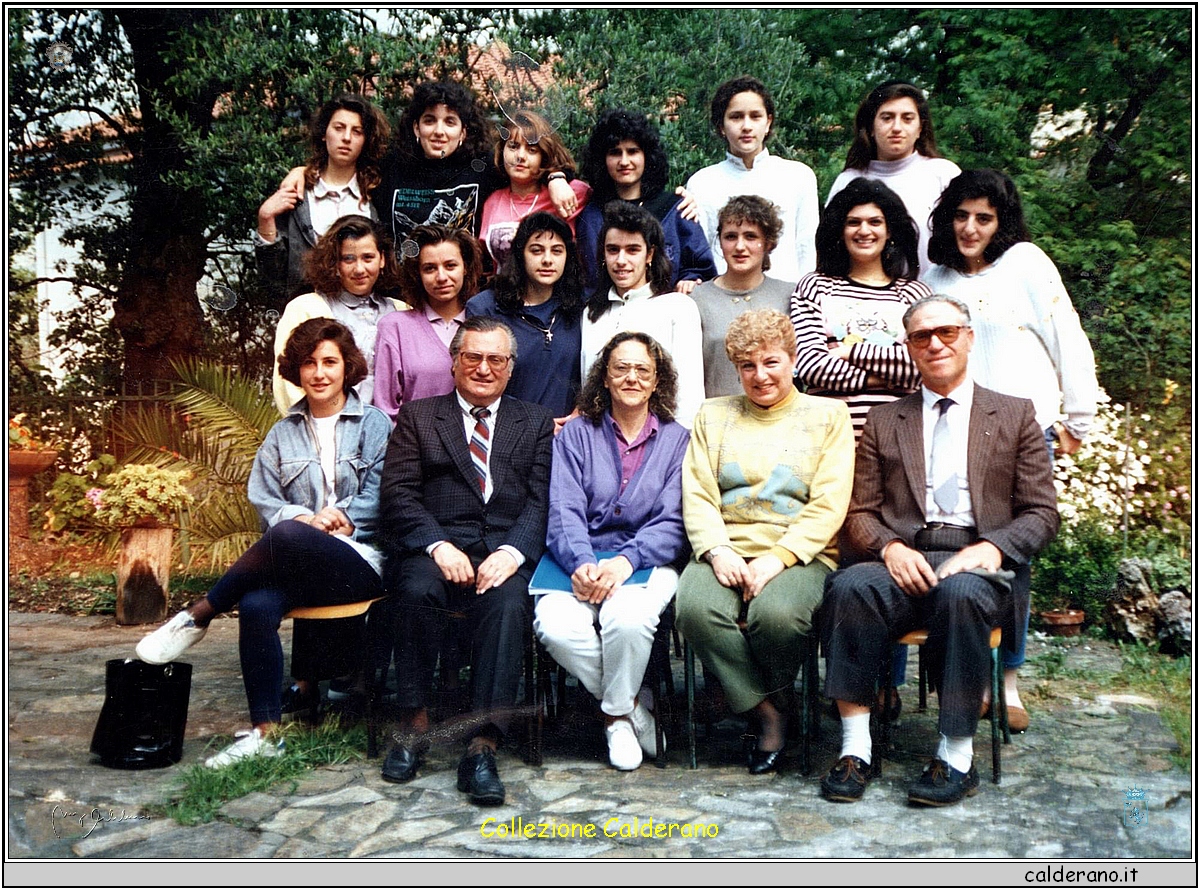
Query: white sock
[(856, 737), (958, 751)]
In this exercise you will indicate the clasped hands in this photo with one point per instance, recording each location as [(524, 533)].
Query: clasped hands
[(596, 582), (457, 569), (912, 572), (330, 520), (750, 577)]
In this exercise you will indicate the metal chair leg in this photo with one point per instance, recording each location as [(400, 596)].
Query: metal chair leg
[(689, 685)]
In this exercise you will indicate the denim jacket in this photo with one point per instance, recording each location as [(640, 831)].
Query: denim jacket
[(286, 480)]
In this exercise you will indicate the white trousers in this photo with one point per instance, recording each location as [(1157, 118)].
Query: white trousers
[(612, 662)]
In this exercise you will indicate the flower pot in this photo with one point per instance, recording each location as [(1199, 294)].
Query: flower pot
[(1062, 622), (143, 573), (23, 466)]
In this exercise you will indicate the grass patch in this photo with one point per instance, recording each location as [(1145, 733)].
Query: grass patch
[(204, 791), (1169, 680)]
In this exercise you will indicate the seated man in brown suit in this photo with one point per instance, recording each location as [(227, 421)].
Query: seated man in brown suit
[(463, 503), (951, 489)]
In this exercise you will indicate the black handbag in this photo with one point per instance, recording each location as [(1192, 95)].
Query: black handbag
[(144, 715)]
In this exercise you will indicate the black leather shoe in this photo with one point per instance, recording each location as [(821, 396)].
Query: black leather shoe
[(846, 780), (298, 705), (477, 776), (941, 784), (401, 764), (759, 762)]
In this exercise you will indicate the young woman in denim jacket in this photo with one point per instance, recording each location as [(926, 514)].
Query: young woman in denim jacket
[(315, 484)]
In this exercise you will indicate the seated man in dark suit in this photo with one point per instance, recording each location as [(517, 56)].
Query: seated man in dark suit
[(951, 490), (463, 509)]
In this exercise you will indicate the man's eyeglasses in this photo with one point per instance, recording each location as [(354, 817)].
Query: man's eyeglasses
[(496, 362), (947, 334), (620, 370)]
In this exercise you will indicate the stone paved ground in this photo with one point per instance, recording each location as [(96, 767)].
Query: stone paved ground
[(1061, 798)]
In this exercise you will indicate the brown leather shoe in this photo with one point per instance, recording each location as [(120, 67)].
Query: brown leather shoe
[(1018, 719)]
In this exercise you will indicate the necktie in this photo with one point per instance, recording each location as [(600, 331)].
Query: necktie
[(941, 461), (479, 445)]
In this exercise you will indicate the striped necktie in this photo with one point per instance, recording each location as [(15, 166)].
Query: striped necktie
[(480, 438)]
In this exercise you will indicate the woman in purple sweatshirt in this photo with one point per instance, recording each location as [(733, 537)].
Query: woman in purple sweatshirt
[(616, 509)]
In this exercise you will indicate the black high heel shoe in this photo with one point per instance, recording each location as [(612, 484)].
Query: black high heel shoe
[(759, 762)]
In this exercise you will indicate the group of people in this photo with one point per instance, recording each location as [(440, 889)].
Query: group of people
[(855, 442)]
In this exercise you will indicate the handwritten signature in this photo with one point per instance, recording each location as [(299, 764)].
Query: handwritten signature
[(87, 820)]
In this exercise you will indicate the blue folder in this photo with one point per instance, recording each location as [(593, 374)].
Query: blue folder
[(549, 575)]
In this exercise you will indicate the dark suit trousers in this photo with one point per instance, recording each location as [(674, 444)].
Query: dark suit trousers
[(865, 611), (499, 621)]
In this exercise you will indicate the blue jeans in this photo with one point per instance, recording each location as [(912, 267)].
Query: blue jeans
[(291, 565)]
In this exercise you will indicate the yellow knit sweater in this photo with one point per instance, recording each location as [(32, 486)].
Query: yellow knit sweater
[(769, 480)]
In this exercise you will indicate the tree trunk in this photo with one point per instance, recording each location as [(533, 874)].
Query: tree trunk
[(143, 574), (156, 310)]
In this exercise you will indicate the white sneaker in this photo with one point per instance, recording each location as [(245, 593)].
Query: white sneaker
[(171, 640), (250, 743), (646, 724), (623, 749)]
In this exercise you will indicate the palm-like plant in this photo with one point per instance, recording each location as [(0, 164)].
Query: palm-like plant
[(220, 419)]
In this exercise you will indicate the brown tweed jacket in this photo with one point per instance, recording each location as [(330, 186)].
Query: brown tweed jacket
[(1008, 475)]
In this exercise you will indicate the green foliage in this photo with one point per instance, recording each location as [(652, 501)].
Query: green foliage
[(1078, 570), (138, 494), (204, 791), (221, 419), (70, 509)]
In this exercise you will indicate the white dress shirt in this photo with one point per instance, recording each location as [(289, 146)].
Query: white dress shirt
[(958, 417)]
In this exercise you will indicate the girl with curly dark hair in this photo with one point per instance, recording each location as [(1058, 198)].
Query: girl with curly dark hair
[(539, 295), (348, 138), (624, 159), (847, 314), (350, 269)]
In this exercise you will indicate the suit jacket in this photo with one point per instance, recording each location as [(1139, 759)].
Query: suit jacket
[(1010, 480), (430, 492)]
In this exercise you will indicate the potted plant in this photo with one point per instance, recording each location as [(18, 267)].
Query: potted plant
[(26, 458), (143, 501)]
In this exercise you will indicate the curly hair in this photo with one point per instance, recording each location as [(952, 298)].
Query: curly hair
[(410, 267), (1001, 193), (613, 127), (756, 211), (321, 265), (757, 330), (310, 334), (375, 141), (537, 132), (724, 95), (900, 256), (863, 149), (512, 280), (595, 400), (478, 135), (626, 217)]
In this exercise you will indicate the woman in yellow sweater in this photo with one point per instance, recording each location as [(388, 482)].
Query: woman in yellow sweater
[(766, 486)]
